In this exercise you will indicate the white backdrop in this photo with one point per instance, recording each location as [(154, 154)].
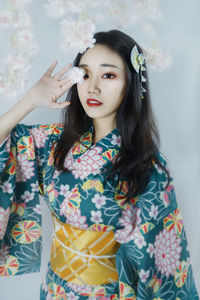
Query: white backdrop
[(175, 97)]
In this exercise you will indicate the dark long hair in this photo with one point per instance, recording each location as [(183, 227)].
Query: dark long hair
[(135, 120)]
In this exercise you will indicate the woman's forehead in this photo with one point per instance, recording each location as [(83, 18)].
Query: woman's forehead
[(101, 55)]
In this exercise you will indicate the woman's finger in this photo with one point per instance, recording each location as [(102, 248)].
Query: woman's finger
[(62, 71), (51, 68), (60, 105)]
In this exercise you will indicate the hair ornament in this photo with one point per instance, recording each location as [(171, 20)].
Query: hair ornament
[(138, 61)]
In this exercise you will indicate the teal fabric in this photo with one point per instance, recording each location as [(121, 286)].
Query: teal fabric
[(153, 261)]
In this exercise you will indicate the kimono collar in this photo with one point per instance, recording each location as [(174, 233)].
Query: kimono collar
[(111, 140)]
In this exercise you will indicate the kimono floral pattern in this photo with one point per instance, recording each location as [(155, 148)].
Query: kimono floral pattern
[(4, 215), (152, 260)]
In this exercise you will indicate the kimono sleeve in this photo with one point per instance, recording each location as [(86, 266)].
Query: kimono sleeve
[(24, 156), (153, 261)]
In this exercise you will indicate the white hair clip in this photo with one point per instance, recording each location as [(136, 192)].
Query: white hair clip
[(138, 61)]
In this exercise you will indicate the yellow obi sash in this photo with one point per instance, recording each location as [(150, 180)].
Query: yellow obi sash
[(83, 256)]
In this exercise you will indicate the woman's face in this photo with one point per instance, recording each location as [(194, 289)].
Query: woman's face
[(102, 90)]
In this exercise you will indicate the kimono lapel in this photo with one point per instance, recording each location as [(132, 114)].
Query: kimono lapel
[(86, 159), (108, 147)]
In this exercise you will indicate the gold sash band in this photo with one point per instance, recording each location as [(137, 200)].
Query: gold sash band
[(83, 256)]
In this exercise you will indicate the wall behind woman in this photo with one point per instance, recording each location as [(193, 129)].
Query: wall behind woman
[(175, 95)]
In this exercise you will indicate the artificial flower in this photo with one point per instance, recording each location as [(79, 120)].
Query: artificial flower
[(76, 74)]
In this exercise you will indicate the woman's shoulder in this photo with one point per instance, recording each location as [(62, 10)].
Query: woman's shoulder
[(45, 126), (160, 175), (162, 159)]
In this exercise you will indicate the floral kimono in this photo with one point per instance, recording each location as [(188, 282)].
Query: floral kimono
[(103, 245)]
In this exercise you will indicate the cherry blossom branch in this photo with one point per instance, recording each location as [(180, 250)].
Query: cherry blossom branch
[(15, 76)]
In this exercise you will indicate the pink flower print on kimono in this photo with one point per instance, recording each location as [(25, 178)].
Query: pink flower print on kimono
[(130, 221), (37, 209), (99, 200), (80, 288), (27, 196), (72, 296), (25, 168), (144, 275), (64, 190), (4, 216), (96, 216), (7, 187), (88, 163), (116, 140), (154, 211), (70, 207), (76, 220), (165, 195), (167, 251), (96, 292), (40, 136)]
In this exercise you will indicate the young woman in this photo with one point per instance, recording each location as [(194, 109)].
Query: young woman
[(118, 230)]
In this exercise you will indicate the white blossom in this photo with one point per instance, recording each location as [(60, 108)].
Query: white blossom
[(21, 20), (77, 36), (64, 190), (116, 140), (139, 240), (25, 42), (27, 196), (55, 8), (150, 250), (157, 59), (76, 6), (151, 9), (99, 200), (18, 3), (15, 78), (6, 18), (37, 209), (96, 216), (144, 275), (154, 211), (7, 187), (34, 187)]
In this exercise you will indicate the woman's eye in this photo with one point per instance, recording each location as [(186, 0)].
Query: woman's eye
[(108, 75), (85, 76)]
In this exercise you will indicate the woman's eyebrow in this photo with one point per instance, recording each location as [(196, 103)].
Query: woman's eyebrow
[(102, 65)]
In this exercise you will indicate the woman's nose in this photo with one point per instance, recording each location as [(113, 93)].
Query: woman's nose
[(93, 86)]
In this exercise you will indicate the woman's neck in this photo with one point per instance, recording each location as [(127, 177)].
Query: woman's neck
[(101, 129)]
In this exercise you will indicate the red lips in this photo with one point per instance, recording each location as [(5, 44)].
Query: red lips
[(93, 102)]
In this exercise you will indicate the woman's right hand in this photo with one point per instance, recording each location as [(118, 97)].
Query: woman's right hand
[(49, 89)]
